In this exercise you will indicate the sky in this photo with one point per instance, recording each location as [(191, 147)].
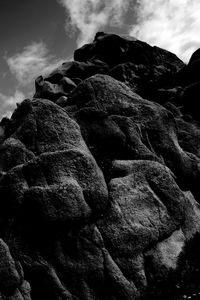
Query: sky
[(38, 35)]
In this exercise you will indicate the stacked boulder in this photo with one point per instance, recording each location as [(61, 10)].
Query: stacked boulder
[(100, 174)]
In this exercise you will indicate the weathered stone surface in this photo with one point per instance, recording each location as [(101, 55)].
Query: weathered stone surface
[(53, 91), (75, 188), (10, 278), (136, 207), (75, 69), (126, 49), (147, 208), (25, 290), (189, 135), (43, 126), (162, 258), (118, 124), (126, 73), (13, 153), (62, 101), (9, 275), (70, 177), (99, 187), (47, 90), (145, 80)]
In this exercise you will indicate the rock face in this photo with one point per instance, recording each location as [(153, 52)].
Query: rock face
[(99, 175)]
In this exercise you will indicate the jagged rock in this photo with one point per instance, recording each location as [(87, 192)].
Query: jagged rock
[(53, 91), (125, 50), (140, 66), (68, 84), (62, 101), (47, 90), (145, 80), (77, 70), (99, 187), (126, 73)]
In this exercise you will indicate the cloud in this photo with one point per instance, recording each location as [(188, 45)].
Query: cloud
[(89, 16), (170, 24), (8, 103), (33, 61)]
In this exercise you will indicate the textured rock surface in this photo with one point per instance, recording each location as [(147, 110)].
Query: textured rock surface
[(99, 175)]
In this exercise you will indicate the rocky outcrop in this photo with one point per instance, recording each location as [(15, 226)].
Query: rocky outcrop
[(100, 173), (12, 277)]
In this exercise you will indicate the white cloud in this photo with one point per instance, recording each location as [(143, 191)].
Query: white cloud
[(8, 103), (89, 16), (33, 61), (170, 24)]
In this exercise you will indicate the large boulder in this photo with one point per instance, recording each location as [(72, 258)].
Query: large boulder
[(47, 90), (99, 187), (75, 69), (114, 49), (47, 196), (149, 215), (64, 163), (118, 124), (140, 66), (43, 126)]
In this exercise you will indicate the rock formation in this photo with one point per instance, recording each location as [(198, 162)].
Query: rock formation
[(100, 173)]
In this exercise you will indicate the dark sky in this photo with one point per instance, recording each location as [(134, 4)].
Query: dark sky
[(23, 22)]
